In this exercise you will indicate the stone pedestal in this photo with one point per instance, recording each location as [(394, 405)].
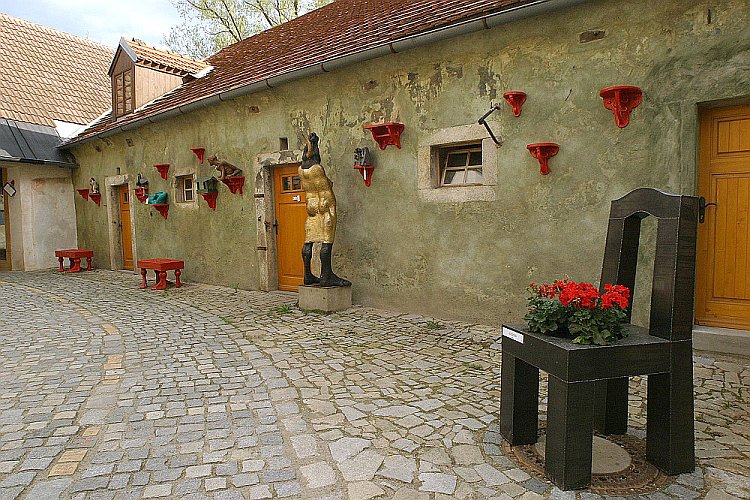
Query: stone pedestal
[(328, 299)]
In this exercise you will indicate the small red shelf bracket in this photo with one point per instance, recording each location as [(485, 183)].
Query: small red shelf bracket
[(516, 100), (163, 168), (96, 198), (84, 193), (162, 208), (210, 198), (366, 171), (543, 151), (141, 194), (621, 100), (234, 183), (199, 152), (386, 134)]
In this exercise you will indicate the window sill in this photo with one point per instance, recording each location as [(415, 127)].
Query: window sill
[(458, 194)]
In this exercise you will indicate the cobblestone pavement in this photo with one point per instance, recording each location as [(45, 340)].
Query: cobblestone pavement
[(109, 391)]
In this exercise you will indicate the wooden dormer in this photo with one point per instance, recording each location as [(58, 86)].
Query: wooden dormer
[(140, 74)]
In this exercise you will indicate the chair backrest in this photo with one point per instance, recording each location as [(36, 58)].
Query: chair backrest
[(673, 287)]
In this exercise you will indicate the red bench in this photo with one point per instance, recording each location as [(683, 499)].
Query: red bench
[(74, 256), (161, 266)]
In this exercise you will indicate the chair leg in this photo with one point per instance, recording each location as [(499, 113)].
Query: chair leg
[(611, 406), (569, 433), (670, 428), (519, 401)]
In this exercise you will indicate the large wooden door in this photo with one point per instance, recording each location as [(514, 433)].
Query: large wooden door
[(723, 266), (126, 231), (289, 201), (5, 263)]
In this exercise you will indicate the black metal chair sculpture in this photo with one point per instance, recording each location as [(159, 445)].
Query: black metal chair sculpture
[(588, 385)]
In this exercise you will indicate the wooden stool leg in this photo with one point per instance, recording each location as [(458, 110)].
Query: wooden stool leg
[(519, 401), (75, 265), (144, 284), (88, 264), (61, 264), (177, 283), (570, 433), (162, 283)]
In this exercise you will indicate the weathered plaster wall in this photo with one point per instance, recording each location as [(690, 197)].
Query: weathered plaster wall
[(42, 215), (469, 260)]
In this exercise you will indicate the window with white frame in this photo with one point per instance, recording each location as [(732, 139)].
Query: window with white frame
[(460, 165), (185, 188)]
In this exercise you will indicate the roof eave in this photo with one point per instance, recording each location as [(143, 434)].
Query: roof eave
[(488, 21)]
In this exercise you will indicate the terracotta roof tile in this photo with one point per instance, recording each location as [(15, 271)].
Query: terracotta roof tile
[(152, 55), (341, 28), (48, 75)]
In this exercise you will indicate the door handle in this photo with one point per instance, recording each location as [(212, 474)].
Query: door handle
[(297, 198), (702, 209)]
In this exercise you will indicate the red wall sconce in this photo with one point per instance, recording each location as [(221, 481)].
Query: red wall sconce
[(210, 198), (234, 183), (162, 208), (363, 162), (84, 193), (141, 193), (163, 168), (199, 152), (386, 134), (543, 151), (96, 198), (516, 100), (621, 100)]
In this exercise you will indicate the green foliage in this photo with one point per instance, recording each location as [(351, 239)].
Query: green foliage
[(210, 25), (546, 316), (433, 325), (597, 326), (282, 309)]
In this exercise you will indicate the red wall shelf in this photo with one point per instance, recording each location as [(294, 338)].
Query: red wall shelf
[(163, 168), (386, 134), (516, 100), (162, 208), (621, 100), (210, 198), (199, 152), (84, 193), (234, 183), (366, 171), (543, 151), (141, 194), (96, 198)]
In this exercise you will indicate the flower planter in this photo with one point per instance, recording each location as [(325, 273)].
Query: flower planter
[(96, 198)]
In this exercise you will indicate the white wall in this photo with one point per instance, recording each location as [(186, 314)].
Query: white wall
[(42, 215)]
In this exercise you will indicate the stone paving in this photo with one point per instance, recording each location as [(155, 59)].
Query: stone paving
[(109, 391)]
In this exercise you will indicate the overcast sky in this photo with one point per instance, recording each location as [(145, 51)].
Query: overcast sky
[(103, 21)]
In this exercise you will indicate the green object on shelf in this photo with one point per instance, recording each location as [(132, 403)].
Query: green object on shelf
[(158, 198)]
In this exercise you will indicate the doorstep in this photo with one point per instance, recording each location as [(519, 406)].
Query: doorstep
[(722, 340)]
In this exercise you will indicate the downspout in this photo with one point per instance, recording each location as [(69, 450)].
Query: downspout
[(489, 21)]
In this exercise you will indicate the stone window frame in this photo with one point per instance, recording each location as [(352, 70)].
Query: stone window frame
[(428, 171), (179, 188)]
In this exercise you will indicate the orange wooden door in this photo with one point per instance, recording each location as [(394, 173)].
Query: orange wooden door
[(723, 263), (126, 228), (289, 201)]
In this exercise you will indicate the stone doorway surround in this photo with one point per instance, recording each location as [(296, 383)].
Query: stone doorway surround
[(110, 186), (264, 209)]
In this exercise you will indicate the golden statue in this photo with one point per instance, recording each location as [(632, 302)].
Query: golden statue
[(320, 226)]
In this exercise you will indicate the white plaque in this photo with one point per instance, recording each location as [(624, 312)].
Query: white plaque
[(512, 334)]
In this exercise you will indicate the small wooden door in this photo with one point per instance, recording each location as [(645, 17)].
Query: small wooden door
[(5, 262), (289, 202), (723, 261), (126, 231)]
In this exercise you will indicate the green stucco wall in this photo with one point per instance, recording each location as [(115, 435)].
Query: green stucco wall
[(468, 260)]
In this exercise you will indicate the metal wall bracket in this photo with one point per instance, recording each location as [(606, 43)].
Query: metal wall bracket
[(483, 121)]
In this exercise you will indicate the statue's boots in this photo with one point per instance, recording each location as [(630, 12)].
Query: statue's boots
[(307, 251), (327, 276)]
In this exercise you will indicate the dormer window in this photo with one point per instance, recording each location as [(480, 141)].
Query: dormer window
[(122, 95)]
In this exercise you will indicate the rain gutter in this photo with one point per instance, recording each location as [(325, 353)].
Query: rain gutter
[(489, 21)]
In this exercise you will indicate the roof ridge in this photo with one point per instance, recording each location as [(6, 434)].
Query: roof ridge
[(57, 31)]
